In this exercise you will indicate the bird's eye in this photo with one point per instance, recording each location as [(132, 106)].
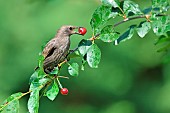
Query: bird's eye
[(70, 28)]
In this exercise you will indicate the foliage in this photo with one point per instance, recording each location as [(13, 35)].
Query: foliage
[(155, 18)]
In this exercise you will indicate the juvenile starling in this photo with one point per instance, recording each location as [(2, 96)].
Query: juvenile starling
[(57, 48)]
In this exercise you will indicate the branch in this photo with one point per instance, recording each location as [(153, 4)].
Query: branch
[(129, 19), (7, 103), (133, 18), (123, 21), (23, 94), (115, 25)]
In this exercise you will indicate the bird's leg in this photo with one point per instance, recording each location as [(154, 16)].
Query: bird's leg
[(59, 65)]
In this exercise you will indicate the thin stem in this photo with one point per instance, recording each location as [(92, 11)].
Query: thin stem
[(26, 93), (72, 51), (23, 94), (60, 86), (48, 84), (123, 21), (115, 25), (5, 104), (63, 77), (46, 87), (129, 19), (124, 15)]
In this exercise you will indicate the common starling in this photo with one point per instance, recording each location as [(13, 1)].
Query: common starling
[(57, 48)]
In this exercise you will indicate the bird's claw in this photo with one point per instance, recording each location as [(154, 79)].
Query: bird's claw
[(59, 65)]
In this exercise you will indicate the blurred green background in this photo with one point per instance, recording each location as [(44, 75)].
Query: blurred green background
[(131, 77)]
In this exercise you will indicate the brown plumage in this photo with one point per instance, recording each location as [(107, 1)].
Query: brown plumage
[(57, 48)]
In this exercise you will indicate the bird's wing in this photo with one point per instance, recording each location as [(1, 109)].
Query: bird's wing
[(53, 53), (54, 58), (49, 48)]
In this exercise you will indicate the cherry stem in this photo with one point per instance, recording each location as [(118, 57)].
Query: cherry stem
[(60, 86)]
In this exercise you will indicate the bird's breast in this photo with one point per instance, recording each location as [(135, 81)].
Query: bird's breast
[(65, 44)]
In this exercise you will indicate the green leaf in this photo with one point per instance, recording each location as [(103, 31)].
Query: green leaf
[(165, 39), (131, 8), (13, 107), (33, 102), (35, 87), (84, 61), (143, 28), (161, 25), (93, 56), (165, 48), (53, 91), (38, 83), (40, 60), (108, 34), (13, 103), (73, 69), (114, 3), (34, 76), (76, 54), (160, 5), (147, 10), (84, 46), (41, 73), (40, 69), (55, 71), (126, 35), (38, 74), (15, 96), (101, 15), (162, 39)]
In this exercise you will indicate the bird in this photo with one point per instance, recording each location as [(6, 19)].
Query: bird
[(56, 50)]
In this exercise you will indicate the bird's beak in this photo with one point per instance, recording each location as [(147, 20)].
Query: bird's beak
[(75, 30)]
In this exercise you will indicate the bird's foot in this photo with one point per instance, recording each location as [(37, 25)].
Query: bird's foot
[(60, 64)]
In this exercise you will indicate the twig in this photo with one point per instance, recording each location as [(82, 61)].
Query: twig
[(5, 104), (23, 94), (129, 19), (121, 22)]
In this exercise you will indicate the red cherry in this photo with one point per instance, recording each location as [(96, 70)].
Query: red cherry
[(82, 30), (64, 91)]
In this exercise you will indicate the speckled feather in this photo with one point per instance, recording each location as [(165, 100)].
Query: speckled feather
[(57, 48)]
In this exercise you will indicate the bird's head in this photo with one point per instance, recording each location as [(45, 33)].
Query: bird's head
[(69, 30)]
